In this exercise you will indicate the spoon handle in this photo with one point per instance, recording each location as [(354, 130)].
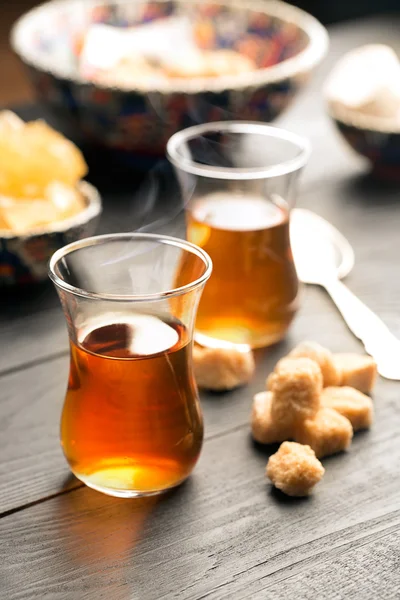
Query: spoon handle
[(379, 342)]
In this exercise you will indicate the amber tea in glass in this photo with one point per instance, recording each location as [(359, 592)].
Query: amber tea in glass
[(131, 422), (238, 182)]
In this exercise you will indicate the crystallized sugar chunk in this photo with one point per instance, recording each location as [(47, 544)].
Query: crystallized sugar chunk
[(327, 433), (320, 355), (294, 469), (357, 371), (352, 404), (263, 428), (222, 368), (296, 384)]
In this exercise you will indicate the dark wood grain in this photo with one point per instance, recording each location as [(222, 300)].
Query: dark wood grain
[(32, 465), (225, 533), (32, 339), (366, 568), (222, 534)]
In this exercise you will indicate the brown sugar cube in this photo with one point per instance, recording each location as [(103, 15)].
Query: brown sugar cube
[(327, 433), (222, 368), (322, 356), (294, 469), (350, 403), (263, 429), (357, 371), (296, 384)]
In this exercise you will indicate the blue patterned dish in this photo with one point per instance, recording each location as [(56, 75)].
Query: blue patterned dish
[(24, 259), (286, 43)]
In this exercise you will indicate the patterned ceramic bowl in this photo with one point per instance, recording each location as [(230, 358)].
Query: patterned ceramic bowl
[(376, 138), (285, 42), (24, 259)]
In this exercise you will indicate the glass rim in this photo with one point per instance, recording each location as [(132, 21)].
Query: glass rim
[(97, 240), (238, 173)]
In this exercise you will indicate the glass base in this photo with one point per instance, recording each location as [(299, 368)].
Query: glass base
[(116, 493), (239, 340), (119, 481)]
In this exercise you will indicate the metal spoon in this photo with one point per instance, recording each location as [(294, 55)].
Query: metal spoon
[(322, 257)]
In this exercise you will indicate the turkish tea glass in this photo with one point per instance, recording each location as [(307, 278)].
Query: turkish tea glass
[(131, 423), (239, 181)]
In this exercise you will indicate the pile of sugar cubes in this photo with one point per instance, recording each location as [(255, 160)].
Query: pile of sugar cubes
[(317, 399)]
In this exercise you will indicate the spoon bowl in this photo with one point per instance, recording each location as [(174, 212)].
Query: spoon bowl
[(320, 251)]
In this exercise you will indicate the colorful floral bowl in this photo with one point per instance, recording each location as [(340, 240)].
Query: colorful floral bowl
[(24, 259), (137, 122), (375, 138)]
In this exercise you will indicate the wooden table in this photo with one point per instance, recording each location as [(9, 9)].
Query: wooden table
[(225, 533)]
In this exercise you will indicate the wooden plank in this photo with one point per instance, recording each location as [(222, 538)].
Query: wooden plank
[(32, 338), (32, 465), (224, 533), (366, 569)]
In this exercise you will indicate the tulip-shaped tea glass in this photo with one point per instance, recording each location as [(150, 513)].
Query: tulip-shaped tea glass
[(238, 181), (131, 423)]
